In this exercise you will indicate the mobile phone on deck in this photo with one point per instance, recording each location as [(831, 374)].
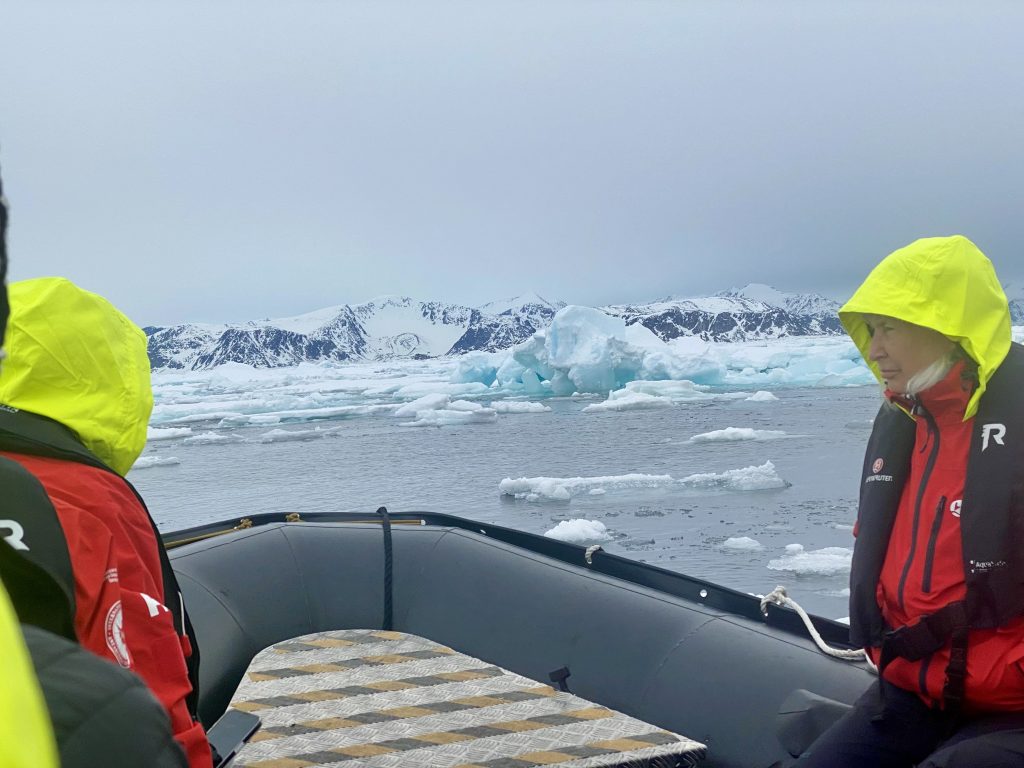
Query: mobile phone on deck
[(230, 733)]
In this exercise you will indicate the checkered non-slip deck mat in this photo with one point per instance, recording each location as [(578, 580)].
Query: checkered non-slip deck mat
[(360, 697)]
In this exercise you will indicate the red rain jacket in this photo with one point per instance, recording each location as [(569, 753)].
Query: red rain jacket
[(924, 570), (119, 601)]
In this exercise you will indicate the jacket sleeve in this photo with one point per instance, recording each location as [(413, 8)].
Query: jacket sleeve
[(101, 714), (120, 611)]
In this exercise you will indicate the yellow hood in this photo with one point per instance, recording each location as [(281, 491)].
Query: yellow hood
[(73, 357), (942, 283)]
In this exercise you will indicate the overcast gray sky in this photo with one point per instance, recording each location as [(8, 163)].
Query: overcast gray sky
[(219, 161)]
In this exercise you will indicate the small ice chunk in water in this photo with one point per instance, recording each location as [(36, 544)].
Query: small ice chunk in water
[(761, 396), (564, 488), (146, 462), (167, 433), (580, 532), (759, 478), (624, 400), (742, 543), (829, 561), (736, 434), (211, 438), (516, 406), (431, 402)]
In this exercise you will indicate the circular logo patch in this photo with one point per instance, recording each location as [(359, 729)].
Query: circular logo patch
[(115, 635), (877, 466)]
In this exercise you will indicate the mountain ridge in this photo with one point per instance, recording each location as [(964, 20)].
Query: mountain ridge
[(394, 327)]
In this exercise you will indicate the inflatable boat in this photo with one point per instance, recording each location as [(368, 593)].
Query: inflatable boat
[(680, 653)]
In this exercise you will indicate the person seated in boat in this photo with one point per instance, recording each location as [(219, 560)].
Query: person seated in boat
[(937, 580), (75, 400), (26, 733), (60, 704)]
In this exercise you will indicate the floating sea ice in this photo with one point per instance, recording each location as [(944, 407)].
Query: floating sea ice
[(829, 561), (742, 543), (516, 406), (167, 433), (564, 488), (211, 438), (439, 410), (759, 478), (580, 532), (286, 435), (146, 462), (429, 402), (624, 400), (736, 434), (762, 396)]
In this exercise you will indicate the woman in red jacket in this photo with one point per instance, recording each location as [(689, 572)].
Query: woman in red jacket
[(937, 581)]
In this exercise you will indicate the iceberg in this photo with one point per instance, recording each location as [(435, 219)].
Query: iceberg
[(585, 350)]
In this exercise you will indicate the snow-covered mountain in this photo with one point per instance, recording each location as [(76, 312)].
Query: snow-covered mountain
[(753, 312), (389, 327), (795, 303), (1015, 293), (398, 327)]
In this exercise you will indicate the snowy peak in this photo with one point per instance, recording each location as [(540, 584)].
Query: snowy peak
[(517, 304), (1015, 294), (798, 303), (753, 312)]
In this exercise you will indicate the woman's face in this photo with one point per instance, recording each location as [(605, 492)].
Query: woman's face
[(902, 349)]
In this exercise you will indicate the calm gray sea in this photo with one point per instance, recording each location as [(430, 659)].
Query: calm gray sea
[(372, 461)]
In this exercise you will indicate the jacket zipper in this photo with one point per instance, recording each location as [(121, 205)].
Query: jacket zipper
[(933, 434), (929, 558)]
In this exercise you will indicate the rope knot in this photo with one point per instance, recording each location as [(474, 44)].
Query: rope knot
[(777, 596)]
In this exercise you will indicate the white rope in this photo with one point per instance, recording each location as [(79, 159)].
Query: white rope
[(779, 597)]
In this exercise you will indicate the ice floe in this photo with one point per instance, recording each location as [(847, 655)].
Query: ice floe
[(564, 488), (580, 532), (757, 478), (211, 438), (518, 406), (439, 410), (147, 462), (737, 434), (829, 561), (742, 543), (762, 396), (167, 433)]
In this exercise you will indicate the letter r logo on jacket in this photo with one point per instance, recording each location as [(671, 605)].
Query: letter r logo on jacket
[(996, 431)]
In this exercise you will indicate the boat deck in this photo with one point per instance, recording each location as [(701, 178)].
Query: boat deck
[(390, 699)]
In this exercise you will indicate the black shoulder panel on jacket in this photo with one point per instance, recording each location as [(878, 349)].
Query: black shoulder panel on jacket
[(34, 562)]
